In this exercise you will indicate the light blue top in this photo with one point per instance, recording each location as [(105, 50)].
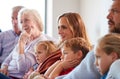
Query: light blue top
[(8, 40), (85, 70), (104, 76), (114, 71)]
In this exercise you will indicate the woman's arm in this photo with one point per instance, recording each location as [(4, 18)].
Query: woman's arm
[(25, 59), (5, 64), (28, 73)]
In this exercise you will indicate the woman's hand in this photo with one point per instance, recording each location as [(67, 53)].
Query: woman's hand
[(24, 37), (28, 73), (4, 70), (23, 40)]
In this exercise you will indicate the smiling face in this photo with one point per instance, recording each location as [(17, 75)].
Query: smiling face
[(64, 29), (29, 25), (114, 17)]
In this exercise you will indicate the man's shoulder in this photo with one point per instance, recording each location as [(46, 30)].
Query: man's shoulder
[(6, 32)]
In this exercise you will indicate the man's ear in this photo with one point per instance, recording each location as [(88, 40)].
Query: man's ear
[(79, 54)]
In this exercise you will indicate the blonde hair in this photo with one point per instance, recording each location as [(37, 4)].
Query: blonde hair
[(35, 17), (76, 44), (49, 46), (110, 43)]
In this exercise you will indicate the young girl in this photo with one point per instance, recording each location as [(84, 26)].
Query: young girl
[(42, 50), (107, 53), (73, 50)]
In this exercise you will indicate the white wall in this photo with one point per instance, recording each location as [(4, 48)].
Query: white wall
[(93, 13), (6, 10), (58, 8)]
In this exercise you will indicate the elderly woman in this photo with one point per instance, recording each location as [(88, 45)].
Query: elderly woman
[(23, 55)]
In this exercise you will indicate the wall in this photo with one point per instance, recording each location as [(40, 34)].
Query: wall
[(58, 8), (6, 10), (93, 13)]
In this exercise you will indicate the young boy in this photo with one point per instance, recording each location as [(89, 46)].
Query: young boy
[(73, 50), (107, 52)]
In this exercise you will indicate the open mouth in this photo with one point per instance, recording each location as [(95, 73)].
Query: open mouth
[(27, 29), (110, 23), (62, 37)]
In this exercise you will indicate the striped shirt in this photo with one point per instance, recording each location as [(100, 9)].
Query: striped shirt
[(8, 40)]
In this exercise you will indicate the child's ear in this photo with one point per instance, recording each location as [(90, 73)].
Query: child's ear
[(79, 54), (114, 56)]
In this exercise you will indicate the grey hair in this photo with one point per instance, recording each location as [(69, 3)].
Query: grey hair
[(34, 14)]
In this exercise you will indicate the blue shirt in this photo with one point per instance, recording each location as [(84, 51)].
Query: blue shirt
[(8, 40), (2, 76), (104, 76)]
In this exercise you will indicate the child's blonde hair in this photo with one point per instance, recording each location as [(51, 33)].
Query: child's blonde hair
[(49, 46), (110, 43), (76, 44)]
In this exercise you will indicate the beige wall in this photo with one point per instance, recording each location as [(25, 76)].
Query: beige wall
[(93, 13), (62, 6)]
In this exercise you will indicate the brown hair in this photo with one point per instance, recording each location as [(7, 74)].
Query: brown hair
[(76, 25), (76, 44)]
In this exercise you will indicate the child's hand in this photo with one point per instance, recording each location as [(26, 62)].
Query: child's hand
[(69, 63), (28, 73)]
